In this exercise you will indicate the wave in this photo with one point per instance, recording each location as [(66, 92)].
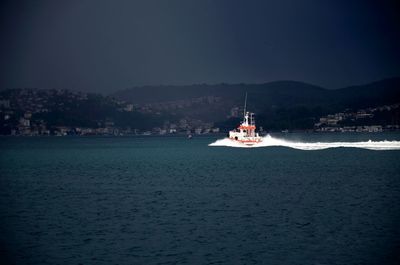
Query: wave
[(269, 141)]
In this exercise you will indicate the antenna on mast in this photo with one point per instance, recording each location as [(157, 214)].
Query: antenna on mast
[(245, 102)]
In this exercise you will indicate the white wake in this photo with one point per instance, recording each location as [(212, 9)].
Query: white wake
[(272, 141)]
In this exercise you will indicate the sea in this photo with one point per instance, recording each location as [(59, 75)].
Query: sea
[(297, 198)]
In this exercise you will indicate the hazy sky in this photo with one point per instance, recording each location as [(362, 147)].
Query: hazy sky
[(109, 45)]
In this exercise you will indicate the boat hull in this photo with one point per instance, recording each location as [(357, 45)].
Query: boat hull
[(248, 142)]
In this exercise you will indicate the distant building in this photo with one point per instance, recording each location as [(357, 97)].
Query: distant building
[(28, 115), (363, 115), (62, 130), (129, 108), (4, 103), (24, 122), (109, 123), (235, 112)]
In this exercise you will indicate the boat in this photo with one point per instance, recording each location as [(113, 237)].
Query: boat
[(246, 133)]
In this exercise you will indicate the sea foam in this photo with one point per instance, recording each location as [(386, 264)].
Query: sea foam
[(269, 141)]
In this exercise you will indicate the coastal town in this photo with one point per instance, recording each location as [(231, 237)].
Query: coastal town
[(61, 112), (31, 112), (359, 121)]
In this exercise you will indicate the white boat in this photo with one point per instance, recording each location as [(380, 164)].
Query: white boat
[(246, 133)]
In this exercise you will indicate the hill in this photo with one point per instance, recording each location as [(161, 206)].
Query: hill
[(168, 109), (273, 94), (280, 104)]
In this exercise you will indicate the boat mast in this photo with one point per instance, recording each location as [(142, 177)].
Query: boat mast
[(244, 110)]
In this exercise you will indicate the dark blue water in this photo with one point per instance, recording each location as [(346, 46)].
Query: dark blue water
[(168, 200)]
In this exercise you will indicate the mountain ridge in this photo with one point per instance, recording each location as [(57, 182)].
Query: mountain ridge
[(282, 93), (278, 105)]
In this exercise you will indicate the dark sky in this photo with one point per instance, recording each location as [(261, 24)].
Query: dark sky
[(105, 46)]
